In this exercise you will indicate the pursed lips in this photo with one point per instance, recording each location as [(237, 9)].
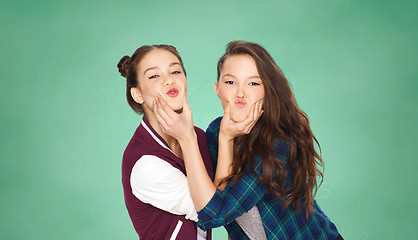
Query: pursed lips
[(240, 102), (173, 92)]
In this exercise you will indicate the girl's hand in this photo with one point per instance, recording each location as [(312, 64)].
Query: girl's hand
[(230, 129), (180, 126)]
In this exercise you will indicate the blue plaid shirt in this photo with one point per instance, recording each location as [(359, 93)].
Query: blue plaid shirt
[(236, 199)]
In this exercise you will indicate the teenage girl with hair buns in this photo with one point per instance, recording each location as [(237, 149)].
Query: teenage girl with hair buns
[(154, 178)]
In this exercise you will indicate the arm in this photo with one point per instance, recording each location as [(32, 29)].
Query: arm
[(181, 127), (225, 157), (156, 182), (236, 199), (228, 131)]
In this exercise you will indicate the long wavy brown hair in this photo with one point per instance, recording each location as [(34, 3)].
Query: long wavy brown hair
[(282, 118)]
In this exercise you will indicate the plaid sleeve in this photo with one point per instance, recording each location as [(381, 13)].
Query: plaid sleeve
[(236, 199)]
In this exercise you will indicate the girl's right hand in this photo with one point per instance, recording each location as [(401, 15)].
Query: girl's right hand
[(230, 129), (178, 125)]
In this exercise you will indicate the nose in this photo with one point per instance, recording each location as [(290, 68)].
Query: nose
[(240, 92), (169, 80)]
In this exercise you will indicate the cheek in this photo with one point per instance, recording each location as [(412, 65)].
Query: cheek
[(255, 96), (181, 82), (149, 92), (180, 78), (224, 95), (224, 103), (260, 95), (224, 99)]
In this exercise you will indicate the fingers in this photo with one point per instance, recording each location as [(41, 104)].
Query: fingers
[(164, 106), (234, 129), (157, 113), (252, 118), (227, 109), (251, 115), (186, 105), (227, 113), (163, 109), (259, 111)]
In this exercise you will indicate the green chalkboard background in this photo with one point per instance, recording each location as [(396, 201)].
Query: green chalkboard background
[(64, 120)]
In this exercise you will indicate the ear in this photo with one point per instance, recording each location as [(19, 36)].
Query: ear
[(216, 86), (136, 95)]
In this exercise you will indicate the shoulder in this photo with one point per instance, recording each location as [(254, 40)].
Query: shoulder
[(147, 163), (214, 126), (212, 132), (137, 141), (150, 168)]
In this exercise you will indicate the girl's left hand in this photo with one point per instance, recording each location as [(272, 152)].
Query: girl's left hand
[(180, 126)]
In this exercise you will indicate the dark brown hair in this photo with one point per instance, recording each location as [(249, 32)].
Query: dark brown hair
[(281, 118), (128, 67)]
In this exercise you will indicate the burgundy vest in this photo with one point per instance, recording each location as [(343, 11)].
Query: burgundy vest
[(151, 222)]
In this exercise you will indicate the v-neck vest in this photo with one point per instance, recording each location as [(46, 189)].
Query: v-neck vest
[(151, 222)]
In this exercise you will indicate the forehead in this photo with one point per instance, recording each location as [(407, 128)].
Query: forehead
[(159, 58), (239, 64)]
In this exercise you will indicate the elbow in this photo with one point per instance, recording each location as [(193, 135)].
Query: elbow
[(211, 220), (210, 224)]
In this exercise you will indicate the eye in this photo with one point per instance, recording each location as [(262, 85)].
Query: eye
[(175, 72), (230, 82), (254, 84), (153, 76)]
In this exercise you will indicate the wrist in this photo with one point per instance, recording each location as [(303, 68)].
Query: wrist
[(225, 138), (187, 138)]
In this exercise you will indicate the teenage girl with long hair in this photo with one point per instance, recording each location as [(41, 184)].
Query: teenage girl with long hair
[(263, 152)]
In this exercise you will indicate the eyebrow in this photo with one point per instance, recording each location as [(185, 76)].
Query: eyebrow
[(171, 64), (231, 75)]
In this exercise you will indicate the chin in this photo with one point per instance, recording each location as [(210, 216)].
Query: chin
[(239, 115), (176, 106)]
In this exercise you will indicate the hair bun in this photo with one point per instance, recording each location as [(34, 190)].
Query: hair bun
[(122, 65)]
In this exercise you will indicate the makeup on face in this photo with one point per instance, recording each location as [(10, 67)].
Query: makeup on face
[(160, 73), (239, 85), (173, 92), (240, 103)]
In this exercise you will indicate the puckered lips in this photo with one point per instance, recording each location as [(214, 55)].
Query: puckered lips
[(240, 103), (173, 92)]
